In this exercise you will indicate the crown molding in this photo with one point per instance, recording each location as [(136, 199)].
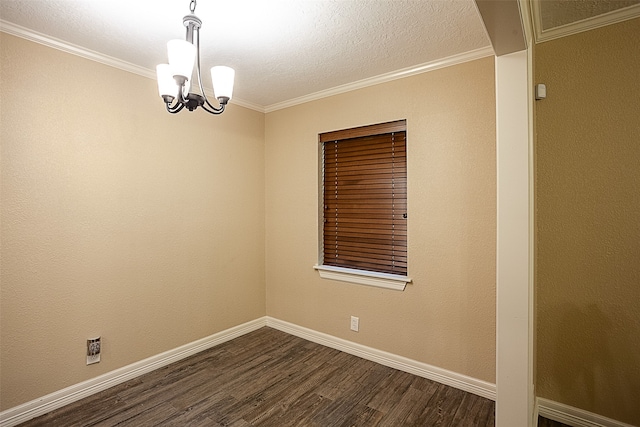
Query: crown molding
[(54, 43), (383, 78), (526, 17), (43, 39), (605, 19)]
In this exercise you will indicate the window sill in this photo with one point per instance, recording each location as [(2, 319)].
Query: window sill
[(361, 277)]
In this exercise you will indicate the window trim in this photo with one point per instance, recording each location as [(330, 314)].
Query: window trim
[(363, 277)]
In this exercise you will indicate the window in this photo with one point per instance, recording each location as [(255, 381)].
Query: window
[(364, 196)]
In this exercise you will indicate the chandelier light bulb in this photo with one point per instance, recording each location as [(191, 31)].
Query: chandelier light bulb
[(167, 86), (222, 78), (182, 56)]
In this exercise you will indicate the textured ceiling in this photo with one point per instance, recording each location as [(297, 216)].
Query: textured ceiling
[(555, 13), (281, 49)]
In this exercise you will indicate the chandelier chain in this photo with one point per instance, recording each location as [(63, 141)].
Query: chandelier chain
[(192, 6)]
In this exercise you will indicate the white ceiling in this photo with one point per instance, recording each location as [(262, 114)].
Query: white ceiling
[(285, 51), (280, 49)]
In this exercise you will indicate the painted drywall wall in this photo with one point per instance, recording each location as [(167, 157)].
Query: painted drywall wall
[(588, 221), (118, 220), (446, 317)]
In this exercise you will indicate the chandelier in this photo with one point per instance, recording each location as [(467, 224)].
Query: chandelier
[(174, 78)]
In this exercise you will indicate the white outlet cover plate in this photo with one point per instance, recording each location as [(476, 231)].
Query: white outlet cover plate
[(93, 359), (355, 323)]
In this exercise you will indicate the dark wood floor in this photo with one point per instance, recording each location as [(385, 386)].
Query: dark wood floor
[(269, 378)]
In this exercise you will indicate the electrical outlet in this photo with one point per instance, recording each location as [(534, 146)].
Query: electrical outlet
[(355, 323), (93, 350)]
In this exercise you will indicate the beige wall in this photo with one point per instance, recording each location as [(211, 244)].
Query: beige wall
[(588, 221), (118, 220), (446, 317), (148, 229)]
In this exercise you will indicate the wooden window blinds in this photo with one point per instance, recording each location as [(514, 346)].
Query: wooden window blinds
[(365, 198)]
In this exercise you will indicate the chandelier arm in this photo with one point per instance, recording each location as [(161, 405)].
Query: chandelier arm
[(214, 110), (181, 100), (175, 108)]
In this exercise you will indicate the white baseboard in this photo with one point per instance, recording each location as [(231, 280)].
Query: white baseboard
[(453, 379), (573, 416), (58, 399)]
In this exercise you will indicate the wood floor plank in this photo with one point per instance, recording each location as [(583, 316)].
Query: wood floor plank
[(287, 398), (442, 407), (194, 415), (389, 391), (410, 406), (473, 411), (268, 378), (298, 413), (336, 385), (349, 404)]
